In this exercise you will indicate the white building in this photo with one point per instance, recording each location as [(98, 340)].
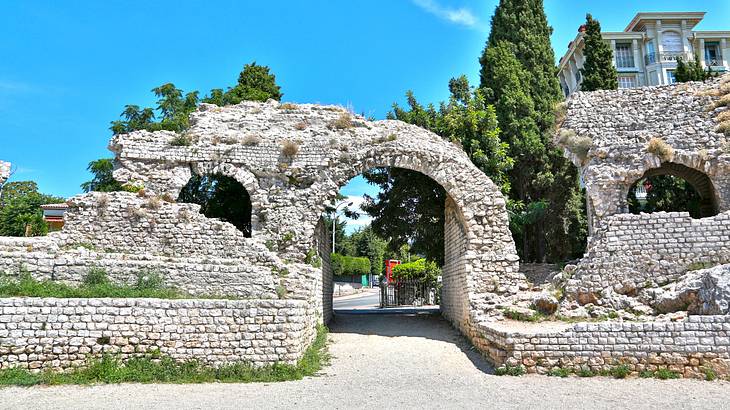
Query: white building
[(646, 52)]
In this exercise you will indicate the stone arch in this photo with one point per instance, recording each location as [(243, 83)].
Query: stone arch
[(228, 191), (480, 254), (699, 180)]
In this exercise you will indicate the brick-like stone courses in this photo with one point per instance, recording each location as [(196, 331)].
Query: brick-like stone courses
[(635, 252), (688, 347), (454, 299), (62, 333)]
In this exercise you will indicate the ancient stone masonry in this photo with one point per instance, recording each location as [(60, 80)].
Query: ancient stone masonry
[(4, 171), (61, 333), (292, 160), (619, 137)]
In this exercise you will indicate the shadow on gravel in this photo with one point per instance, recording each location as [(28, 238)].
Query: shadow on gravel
[(418, 323)]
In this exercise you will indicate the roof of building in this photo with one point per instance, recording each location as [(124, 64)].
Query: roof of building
[(62, 206), (692, 18)]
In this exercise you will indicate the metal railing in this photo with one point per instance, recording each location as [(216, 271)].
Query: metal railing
[(408, 293), (653, 58)]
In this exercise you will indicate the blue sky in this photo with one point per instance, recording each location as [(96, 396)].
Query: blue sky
[(68, 68)]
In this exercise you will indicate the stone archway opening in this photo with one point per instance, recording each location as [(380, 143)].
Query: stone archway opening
[(222, 197), (673, 187), (436, 239)]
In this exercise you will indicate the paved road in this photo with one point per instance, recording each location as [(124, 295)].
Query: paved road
[(368, 299), (390, 361)]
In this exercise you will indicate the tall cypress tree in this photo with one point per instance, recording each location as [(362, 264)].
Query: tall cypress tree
[(519, 77), (598, 71)]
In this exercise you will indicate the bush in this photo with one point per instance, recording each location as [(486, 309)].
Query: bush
[(251, 139), (576, 144), (349, 265), (665, 374), (559, 372), (95, 277), (724, 128), (344, 121), (661, 149), (289, 148), (425, 271), (620, 371), (180, 140), (510, 371)]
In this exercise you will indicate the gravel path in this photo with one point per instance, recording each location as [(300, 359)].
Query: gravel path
[(390, 362)]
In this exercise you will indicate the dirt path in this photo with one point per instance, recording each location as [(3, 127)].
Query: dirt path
[(390, 362)]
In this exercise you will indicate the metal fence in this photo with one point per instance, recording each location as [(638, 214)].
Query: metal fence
[(408, 293)]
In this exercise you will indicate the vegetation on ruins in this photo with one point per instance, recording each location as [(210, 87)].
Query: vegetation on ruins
[(518, 78), (103, 180), (153, 367), (96, 284), (691, 71), (598, 71), (20, 209)]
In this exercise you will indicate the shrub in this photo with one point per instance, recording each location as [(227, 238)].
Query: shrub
[(287, 106), (646, 374), (724, 128), (149, 280), (723, 116), (344, 121), (661, 149), (724, 101), (391, 137), (665, 374), (425, 271), (281, 291), (181, 140), (620, 371), (509, 371), (523, 317), (349, 265), (559, 372), (710, 374), (289, 148), (251, 139), (153, 202), (95, 277), (560, 111), (300, 126), (586, 373)]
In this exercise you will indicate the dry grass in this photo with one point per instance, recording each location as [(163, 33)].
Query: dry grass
[(561, 109), (289, 148), (343, 122), (300, 126), (251, 139), (724, 101), (724, 128), (723, 116), (287, 106), (153, 202), (230, 140), (660, 148), (578, 145)]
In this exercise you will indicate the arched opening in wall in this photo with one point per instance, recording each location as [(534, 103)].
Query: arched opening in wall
[(222, 197), (673, 188), (399, 246)]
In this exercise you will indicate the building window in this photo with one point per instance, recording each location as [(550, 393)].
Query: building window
[(626, 81), (670, 77), (713, 56), (624, 55)]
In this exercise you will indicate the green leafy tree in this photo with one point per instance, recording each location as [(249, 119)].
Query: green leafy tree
[(255, 83), (368, 244), (20, 211), (691, 71), (666, 193), (518, 78), (598, 71), (103, 180)]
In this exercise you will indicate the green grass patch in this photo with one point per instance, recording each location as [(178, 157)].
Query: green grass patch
[(665, 374), (585, 373), (152, 369), (559, 372), (96, 284), (509, 371)]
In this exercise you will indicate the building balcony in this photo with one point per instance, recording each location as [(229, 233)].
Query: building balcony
[(653, 58)]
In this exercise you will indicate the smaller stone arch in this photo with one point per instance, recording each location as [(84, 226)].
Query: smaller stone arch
[(700, 181)]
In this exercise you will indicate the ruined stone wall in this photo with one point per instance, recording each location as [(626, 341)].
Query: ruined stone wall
[(607, 133), (323, 260), (636, 252), (62, 333), (454, 299), (125, 234), (687, 347)]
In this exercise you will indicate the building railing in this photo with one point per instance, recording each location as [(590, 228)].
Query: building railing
[(653, 58), (713, 62)]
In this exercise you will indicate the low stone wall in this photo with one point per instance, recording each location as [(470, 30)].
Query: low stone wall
[(687, 347), (632, 252), (62, 333)]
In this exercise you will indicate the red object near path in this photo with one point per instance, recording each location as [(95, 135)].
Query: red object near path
[(389, 264)]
